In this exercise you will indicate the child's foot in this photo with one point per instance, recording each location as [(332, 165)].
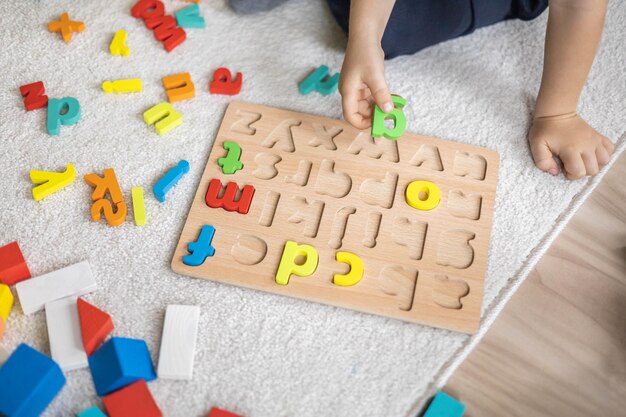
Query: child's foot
[(581, 149), (254, 6)]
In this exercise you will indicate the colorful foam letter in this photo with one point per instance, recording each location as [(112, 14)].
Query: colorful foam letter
[(228, 201), (165, 117), (66, 27), (355, 273), (13, 267), (288, 263), (55, 116), (429, 191), (179, 87), (200, 249), (95, 325), (223, 84), (108, 182), (397, 115), (231, 162), (118, 44), (445, 406), (30, 380), (321, 81), (153, 14), (133, 85), (139, 208), (169, 180), (51, 182), (34, 97), (189, 17)]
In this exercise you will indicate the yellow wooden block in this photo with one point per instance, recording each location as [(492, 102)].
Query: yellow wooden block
[(6, 301), (133, 85), (165, 117), (139, 209), (423, 195), (291, 264), (118, 44), (51, 182), (355, 273)]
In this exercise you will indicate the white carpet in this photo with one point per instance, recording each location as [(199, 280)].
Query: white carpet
[(258, 354)]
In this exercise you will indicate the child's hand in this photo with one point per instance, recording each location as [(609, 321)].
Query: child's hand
[(362, 82), (582, 150)]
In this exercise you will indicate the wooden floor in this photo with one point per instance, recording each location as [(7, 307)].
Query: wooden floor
[(559, 346)]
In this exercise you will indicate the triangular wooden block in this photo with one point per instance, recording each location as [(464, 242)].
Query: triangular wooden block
[(95, 325)]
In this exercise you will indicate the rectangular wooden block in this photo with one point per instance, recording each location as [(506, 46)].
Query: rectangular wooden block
[(319, 181), (66, 344), (73, 280), (178, 343)]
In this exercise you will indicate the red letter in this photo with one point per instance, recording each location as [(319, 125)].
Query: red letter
[(141, 10), (227, 201), (33, 96), (222, 82)]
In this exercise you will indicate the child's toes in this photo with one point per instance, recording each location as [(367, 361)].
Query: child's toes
[(573, 165), (591, 163)]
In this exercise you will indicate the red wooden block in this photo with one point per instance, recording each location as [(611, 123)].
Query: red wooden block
[(95, 325), (223, 84), (13, 268), (218, 412), (34, 97), (229, 200), (134, 400)]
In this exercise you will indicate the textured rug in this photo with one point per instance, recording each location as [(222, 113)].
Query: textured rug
[(259, 354)]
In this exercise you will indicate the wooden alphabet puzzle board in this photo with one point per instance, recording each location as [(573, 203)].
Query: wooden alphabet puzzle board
[(320, 182)]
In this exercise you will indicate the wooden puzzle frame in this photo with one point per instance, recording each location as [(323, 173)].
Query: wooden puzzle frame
[(321, 182)]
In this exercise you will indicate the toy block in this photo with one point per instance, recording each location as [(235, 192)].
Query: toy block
[(422, 195), (223, 83), (13, 267), (120, 362), (231, 163), (132, 401), (133, 85), (139, 208), (179, 87), (164, 117), (95, 325), (66, 347), (91, 412), (320, 81), (289, 266), (218, 412), (355, 273), (51, 182), (73, 280), (170, 179), (228, 200), (6, 301), (29, 381), (189, 17), (147, 9), (66, 27), (118, 44), (200, 249), (444, 405), (57, 116), (396, 115), (34, 97), (178, 342)]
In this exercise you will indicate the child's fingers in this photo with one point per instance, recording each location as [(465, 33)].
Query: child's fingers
[(608, 145), (573, 164), (543, 158), (602, 155), (591, 163), (380, 92), (350, 104)]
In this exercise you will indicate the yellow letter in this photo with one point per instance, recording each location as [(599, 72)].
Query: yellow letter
[(431, 194), (288, 263), (355, 273)]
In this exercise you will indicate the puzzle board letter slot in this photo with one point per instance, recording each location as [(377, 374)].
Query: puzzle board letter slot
[(427, 156), (248, 249), (266, 165), (471, 165), (338, 228), (374, 148), (308, 213), (399, 282), (282, 136), (410, 233), (301, 177), (269, 208), (329, 182), (379, 192), (455, 250), (447, 293), (245, 121)]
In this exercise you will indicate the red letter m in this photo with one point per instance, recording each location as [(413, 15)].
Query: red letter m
[(229, 200)]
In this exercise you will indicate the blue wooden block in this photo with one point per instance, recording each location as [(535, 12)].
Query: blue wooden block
[(65, 111), (444, 405), (120, 362), (321, 81), (91, 412), (170, 179), (29, 381), (189, 17)]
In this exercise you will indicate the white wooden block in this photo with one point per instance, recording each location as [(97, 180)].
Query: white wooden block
[(4, 355), (66, 343), (74, 280), (178, 342)]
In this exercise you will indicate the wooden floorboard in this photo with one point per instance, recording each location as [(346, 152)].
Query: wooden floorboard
[(559, 346)]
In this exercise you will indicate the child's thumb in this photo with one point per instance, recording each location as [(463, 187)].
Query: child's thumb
[(544, 160), (381, 94)]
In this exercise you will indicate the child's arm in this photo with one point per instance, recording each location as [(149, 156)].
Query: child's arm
[(362, 81), (572, 38)]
